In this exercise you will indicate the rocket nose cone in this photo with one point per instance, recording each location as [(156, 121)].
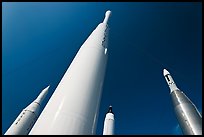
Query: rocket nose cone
[(42, 95), (165, 72), (110, 109), (47, 88), (108, 13)]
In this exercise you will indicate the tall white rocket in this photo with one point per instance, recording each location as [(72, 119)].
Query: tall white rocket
[(73, 107)]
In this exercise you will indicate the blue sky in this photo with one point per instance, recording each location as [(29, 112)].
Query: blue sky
[(39, 41)]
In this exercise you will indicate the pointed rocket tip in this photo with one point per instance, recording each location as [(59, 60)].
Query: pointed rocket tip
[(45, 90), (110, 109), (165, 72), (48, 86), (42, 95), (107, 15)]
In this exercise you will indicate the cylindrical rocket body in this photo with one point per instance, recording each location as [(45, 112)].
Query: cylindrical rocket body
[(188, 116), (73, 107), (108, 128), (25, 121)]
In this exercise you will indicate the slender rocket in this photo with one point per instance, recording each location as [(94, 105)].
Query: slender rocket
[(26, 119), (108, 128), (73, 107), (189, 119)]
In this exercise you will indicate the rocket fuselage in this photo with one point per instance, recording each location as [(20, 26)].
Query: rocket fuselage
[(189, 119), (23, 123), (73, 107), (26, 119), (109, 123), (187, 115)]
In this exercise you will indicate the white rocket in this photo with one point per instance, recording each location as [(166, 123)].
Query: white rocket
[(73, 107), (108, 128), (26, 119), (189, 118)]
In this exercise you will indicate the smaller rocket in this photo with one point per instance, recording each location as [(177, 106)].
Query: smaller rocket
[(26, 119), (189, 119), (109, 123)]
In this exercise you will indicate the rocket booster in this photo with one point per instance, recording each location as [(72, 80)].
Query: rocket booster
[(109, 123), (26, 119), (189, 119), (73, 107)]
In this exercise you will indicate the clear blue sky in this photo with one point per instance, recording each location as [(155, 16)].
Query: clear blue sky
[(39, 41)]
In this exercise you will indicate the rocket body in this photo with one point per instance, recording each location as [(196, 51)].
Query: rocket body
[(188, 116), (109, 123), (26, 119), (189, 119), (73, 107)]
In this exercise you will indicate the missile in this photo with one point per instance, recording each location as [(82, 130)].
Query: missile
[(189, 118), (26, 119), (108, 128), (73, 107)]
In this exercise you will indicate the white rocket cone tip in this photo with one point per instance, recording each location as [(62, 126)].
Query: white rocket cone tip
[(165, 72), (107, 15), (42, 95), (110, 109), (45, 90), (47, 87)]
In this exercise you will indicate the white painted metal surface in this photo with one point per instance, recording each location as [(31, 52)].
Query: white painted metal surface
[(73, 107), (170, 81), (109, 123), (165, 72), (26, 119)]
